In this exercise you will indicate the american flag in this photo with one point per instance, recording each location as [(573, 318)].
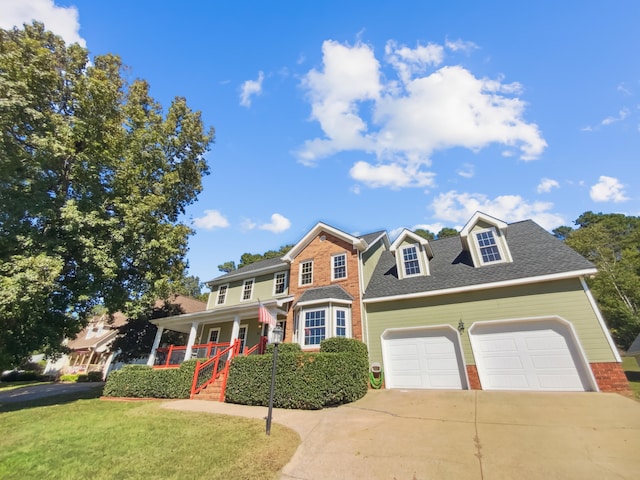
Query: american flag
[(265, 317)]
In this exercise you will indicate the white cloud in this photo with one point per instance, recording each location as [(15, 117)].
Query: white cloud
[(393, 176), (428, 108), (454, 207), (211, 219), (546, 184), (460, 45), (622, 114), (467, 171), (62, 21), (251, 88), (623, 88), (608, 189), (278, 224)]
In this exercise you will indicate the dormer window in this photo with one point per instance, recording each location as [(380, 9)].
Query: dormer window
[(488, 246), (410, 261)]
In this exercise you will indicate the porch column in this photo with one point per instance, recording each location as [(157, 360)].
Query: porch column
[(235, 329), (192, 340), (156, 342)]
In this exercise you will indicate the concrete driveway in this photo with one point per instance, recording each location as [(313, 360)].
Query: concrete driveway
[(415, 435)]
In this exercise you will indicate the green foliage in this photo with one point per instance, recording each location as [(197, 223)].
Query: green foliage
[(249, 258), (309, 381), (95, 177), (447, 232), (142, 381), (19, 376), (94, 376), (284, 348), (426, 234), (612, 243), (70, 377)]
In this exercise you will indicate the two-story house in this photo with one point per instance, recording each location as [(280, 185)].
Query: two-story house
[(501, 306)]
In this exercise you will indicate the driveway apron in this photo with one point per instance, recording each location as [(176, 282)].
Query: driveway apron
[(414, 435)]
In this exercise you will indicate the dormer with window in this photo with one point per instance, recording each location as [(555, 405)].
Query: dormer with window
[(485, 239), (412, 254)]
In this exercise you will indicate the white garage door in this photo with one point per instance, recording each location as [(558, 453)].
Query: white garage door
[(423, 358), (528, 355)]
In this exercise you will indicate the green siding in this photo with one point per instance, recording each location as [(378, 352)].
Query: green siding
[(262, 289), (370, 260), (564, 298)]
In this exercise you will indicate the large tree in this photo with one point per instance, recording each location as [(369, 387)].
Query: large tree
[(94, 176), (612, 242)]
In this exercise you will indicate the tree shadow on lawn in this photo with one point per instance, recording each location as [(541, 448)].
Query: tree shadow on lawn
[(61, 399)]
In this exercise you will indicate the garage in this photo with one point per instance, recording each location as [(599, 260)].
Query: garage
[(535, 354), (423, 358)]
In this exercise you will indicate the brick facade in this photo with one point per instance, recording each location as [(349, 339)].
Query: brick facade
[(320, 250), (474, 379), (610, 377)]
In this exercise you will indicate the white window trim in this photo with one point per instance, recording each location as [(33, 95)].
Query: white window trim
[(496, 238), (213, 329), (286, 285), (333, 267), (246, 333), (347, 321), (253, 284), (418, 255), (300, 284), (226, 294), (327, 326)]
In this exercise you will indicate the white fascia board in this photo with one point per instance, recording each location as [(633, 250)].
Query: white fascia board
[(485, 286), (383, 236), (324, 300), (499, 224), (355, 241), (601, 321)]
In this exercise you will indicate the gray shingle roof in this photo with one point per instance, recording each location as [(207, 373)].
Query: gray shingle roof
[(370, 237), (534, 251), (323, 293), (248, 270)]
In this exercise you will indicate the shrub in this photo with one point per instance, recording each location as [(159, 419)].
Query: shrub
[(94, 376), (19, 376), (70, 377), (142, 381), (310, 381)]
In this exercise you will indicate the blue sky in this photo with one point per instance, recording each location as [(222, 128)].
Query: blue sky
[(368, 115)]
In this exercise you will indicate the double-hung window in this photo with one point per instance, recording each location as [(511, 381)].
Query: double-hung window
[(306, 272), (341, 322), (247, 289), (410, 261), (339, 266), (489, 250), (279, 283), (314, 327), (222, 294)]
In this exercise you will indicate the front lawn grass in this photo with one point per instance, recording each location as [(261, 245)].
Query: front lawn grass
[(6, 386), (71, 437), (632, 371)]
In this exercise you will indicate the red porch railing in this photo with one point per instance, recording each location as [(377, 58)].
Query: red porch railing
[(173, 355), (259, 348), (209, 371)]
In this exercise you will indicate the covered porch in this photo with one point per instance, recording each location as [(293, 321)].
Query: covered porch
[(212, 331)]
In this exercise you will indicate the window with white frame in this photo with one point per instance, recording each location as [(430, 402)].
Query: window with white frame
[(247, 289), (242, 336), (279, 283), (214, 335), (222, 294), (410, 261), (314, 327), (306, 272), (489, 251), (339, 267), (341, 322)]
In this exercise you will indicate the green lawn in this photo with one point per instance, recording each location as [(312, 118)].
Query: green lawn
[(632, 370), (79, 436), (4, 386)]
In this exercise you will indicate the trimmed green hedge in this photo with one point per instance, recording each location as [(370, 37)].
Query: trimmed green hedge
[(142, 381), (337, 374)]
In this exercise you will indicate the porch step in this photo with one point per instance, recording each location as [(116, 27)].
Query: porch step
[(210, 392)]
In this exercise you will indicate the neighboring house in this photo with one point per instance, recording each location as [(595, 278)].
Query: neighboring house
[(502, 306), (634, 349), (90, 350)]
